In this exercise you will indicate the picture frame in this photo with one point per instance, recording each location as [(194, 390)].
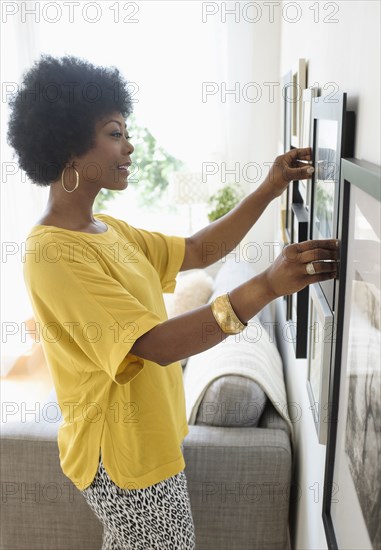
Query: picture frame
[(309, 95), (286, 103), (298, 306), (299, 83), (332, 138), (293, 197), (353, 458), (287, 98), (321, 327)]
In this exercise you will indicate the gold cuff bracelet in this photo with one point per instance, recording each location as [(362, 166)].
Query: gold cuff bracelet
[(225, 316)]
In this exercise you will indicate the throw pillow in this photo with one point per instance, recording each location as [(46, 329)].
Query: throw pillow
[(192, 291)]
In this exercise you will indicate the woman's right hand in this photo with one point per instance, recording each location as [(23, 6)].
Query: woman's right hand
[(288, 273)]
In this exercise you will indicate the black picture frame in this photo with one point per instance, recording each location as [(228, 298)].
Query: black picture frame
[(332, 138), (358, 179), (298, 311), (293, 197), (297, 307), (287, 97)]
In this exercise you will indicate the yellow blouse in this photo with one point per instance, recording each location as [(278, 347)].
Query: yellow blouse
[(93, 295)]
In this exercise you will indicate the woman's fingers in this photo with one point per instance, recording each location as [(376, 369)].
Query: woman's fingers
[(310, 251), (298, 164), (318, 254), (321, 267), (304, 172), (317, 259), (304, 153), (326, 244), (302, 164), (302, 264)]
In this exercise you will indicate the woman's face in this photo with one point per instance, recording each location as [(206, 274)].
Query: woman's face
[(102, 165)]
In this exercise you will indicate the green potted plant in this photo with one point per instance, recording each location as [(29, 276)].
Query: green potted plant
[(223, 201)]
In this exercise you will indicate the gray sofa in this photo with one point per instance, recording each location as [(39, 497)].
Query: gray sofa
[(239, 480)]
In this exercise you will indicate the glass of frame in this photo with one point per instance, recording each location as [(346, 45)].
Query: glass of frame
[(325, 182), (332, 137), (319, 359), (353, 458)]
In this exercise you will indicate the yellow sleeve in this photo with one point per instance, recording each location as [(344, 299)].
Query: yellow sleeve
[(165, 252), (96, 319)]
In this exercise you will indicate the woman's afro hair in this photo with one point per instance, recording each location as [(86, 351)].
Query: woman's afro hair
[(53, 114)]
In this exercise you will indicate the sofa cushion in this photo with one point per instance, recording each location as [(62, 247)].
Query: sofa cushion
[(51, 397), (192, 291), (232, 400)]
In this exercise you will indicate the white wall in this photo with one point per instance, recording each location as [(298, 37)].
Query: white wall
[(252, 62), (346, 53)]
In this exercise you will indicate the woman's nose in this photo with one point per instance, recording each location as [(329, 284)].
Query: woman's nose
[(128, 147)]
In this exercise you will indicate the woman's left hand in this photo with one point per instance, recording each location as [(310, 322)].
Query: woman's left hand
[(288, 167)]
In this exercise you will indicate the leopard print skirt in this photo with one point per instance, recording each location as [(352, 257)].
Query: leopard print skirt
[(156, 518)]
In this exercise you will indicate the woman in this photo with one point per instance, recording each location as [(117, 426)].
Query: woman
[(96, 286)]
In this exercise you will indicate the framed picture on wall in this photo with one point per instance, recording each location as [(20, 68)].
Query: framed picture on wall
[(332, 137), (352, 487), (321, 326), (292, 198), (287, 95), (287, 98), (299, 83), (299, 301), (294, 82), (308, 97)]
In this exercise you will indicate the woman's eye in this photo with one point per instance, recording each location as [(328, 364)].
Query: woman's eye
[(119, 134)]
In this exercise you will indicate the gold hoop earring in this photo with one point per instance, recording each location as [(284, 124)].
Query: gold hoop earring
[(76, 182)]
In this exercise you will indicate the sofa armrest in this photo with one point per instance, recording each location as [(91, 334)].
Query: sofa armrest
[(53, 512), (239, 485), (33, 431), (271, 419)]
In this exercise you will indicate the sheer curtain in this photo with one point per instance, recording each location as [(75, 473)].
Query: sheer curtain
[(21, 202), (179, 62)]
